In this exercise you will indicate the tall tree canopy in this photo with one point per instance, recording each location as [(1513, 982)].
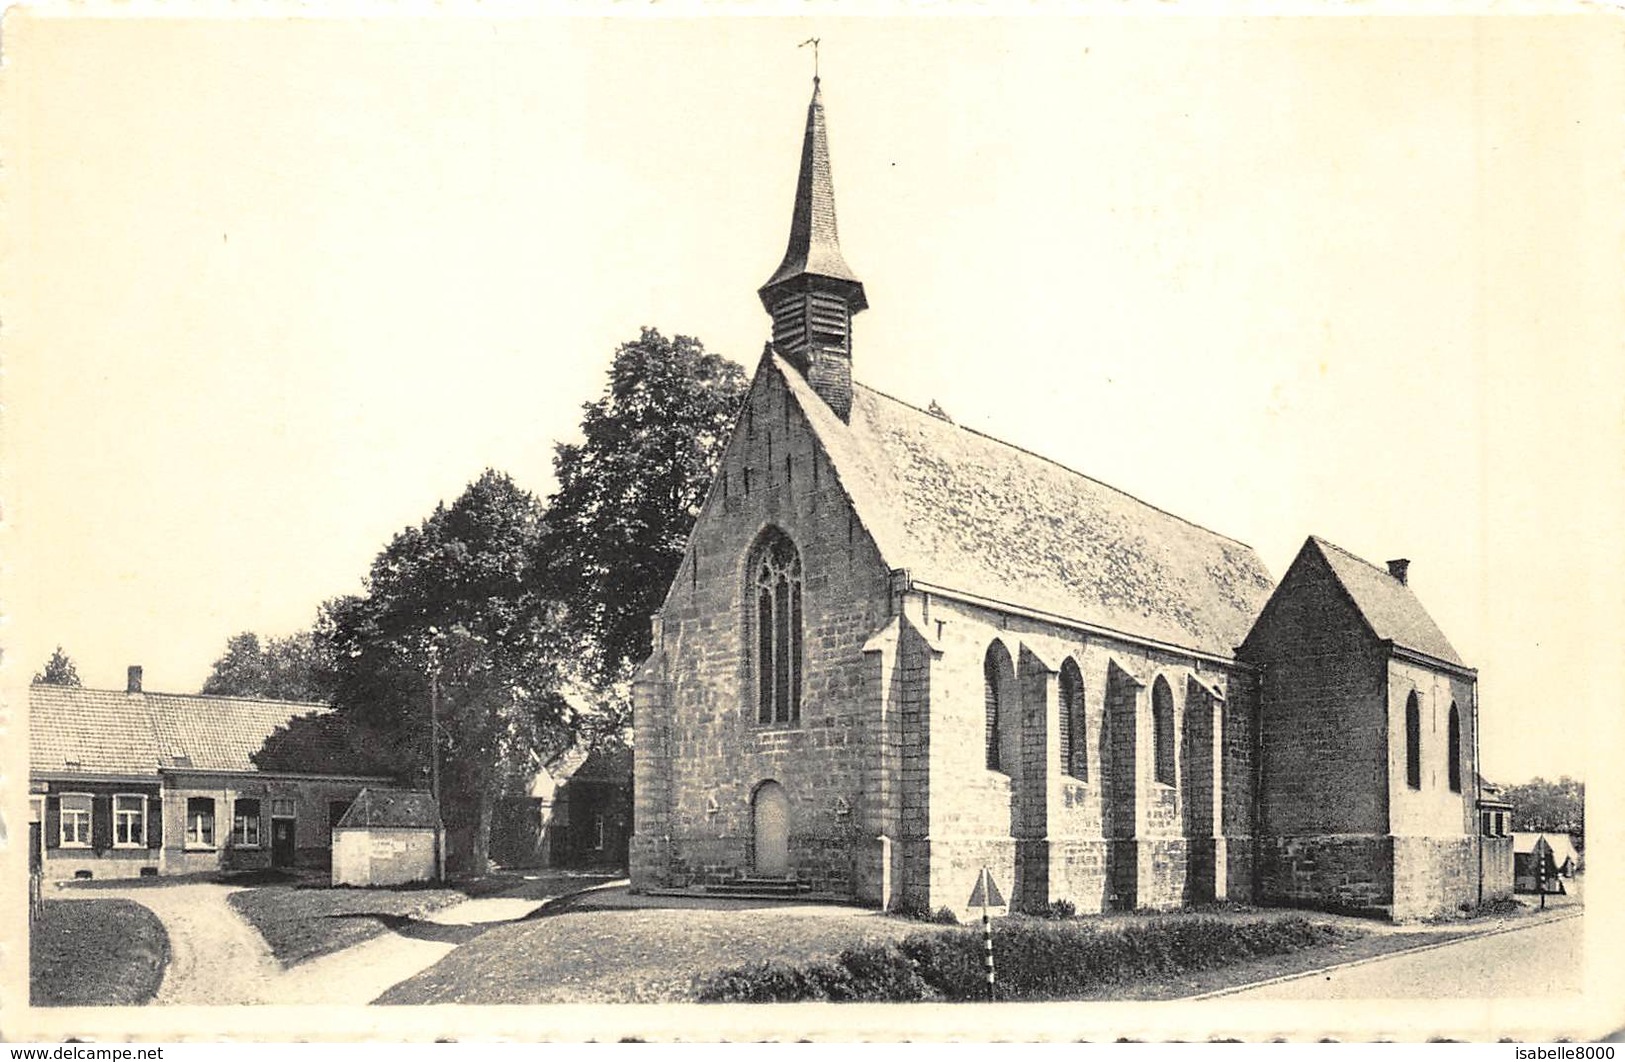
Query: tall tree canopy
[(629, 493), (1539, 805), (59, 671), (453, 603), (295, 668)]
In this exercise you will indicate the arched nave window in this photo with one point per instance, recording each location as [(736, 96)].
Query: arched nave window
[(776, 577)]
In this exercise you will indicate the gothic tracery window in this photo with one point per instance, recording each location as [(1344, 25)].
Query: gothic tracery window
[(777, 581)]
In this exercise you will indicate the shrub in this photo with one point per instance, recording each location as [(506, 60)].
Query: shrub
[(764, 982), (881, 973), (873, 973), (1034, 958), (944, 916)]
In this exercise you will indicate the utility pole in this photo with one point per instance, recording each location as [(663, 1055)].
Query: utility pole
[(434, 761)]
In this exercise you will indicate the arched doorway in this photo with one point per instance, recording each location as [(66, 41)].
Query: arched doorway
[(770, 824)]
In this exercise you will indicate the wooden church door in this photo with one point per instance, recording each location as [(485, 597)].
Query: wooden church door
[(770, 820)]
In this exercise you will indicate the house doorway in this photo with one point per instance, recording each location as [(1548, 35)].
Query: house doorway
[(770, 823), (281, 842)]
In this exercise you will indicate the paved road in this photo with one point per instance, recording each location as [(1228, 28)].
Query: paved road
[(1542, 959)]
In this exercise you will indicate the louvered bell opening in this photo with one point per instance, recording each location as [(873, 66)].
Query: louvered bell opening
[(790, 325), (829, 320)]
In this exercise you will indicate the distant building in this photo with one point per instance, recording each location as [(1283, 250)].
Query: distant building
[(897, 651), (1544, 857), (577, 815), (127, 783)]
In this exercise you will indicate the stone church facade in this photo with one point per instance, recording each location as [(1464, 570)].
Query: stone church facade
[(898, 650)]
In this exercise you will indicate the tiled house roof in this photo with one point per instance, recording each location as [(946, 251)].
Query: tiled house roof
[(967, 512), (384, 808), (74, 730), (79, 731), (219, 733), (1388, 605)]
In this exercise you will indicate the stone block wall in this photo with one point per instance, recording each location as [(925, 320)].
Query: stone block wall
[(1350, 872), (1323, 718), (1049, 830), (1498, 876), (700, 752), (1433, 810), (1434, 875)]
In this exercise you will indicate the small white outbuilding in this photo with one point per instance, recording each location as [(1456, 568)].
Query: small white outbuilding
[(386, 838)]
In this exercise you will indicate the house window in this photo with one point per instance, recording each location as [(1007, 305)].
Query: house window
[(1413, 742), (1486, 824), (1455, 749), (245, 824), (777, 581), (1074, 743), (200, 822), (75, 820), (992, 695), (129, 821), (1162, 729), (282, 807)]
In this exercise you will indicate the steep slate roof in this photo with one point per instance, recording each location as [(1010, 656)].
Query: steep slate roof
[(384, 809), (1388, 605), (967, 512), (113, 732)]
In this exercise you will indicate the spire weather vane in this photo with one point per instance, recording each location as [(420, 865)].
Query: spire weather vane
[(814, 42)]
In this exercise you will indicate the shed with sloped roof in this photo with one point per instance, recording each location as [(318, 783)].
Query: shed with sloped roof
[(387, 837)]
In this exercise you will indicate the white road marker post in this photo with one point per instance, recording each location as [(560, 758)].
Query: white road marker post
[(986, 895)]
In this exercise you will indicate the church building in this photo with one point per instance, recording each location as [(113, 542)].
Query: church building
[(898, 650)]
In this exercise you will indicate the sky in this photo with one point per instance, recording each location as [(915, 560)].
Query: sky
[(276, 287)]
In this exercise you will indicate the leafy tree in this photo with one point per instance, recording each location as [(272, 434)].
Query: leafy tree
[(59, 671), (451, 613), (294, 668), (1539, 805), (629, 493)]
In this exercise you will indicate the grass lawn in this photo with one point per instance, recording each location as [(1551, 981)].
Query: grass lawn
[(634, 955), (95, 953), (612, 950), (300, 924)]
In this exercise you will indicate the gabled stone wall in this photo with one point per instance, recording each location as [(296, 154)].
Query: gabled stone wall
[(700, 752)]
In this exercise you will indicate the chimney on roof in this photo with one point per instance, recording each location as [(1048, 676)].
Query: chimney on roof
[(132, 679), (1398, 569)]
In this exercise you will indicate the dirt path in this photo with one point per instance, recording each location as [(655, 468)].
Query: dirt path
[(218, 959), (362, 973), (215, 958)]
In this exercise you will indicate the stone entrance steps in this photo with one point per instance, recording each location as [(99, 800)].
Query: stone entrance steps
[(747, 887), (757, 888)]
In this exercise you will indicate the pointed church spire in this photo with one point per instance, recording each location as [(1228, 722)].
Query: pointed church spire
[(814, 293)]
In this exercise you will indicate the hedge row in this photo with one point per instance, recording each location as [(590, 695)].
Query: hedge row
[(1035, 959)]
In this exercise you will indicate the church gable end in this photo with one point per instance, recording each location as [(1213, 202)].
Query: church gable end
[(1322, 717), (757, 674)]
